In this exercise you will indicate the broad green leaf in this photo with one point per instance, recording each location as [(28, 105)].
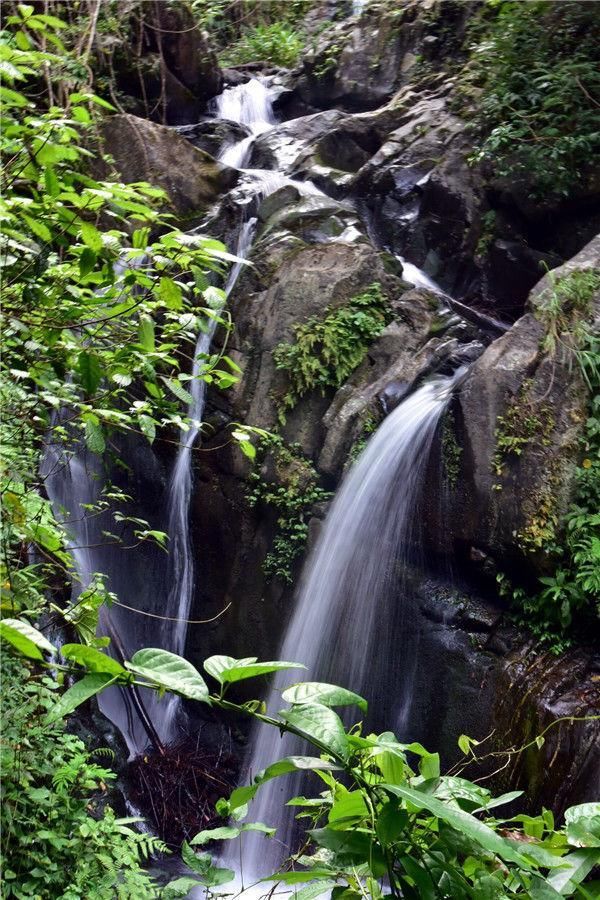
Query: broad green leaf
[(461, 821), (170, 293), (499, 801), (94, 436), (90, 371), (78, 693), (300, 877), (146, 333), (178, 390), (25, 638), (228, 670), (426, 887), (391, 822), (92, 659), (180, 887), (147, 427), (350, 805), (87, 261), (319, 723), (326, 694), (229, 832), (52, 182), (574, 868), (39, 229), (202, 865), (171, 672), (313, 891), (240, 796), (355, 847), (541, 890)]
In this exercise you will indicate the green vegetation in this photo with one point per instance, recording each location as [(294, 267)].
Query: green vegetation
[(98, 315), (276, 44), (538, 64), (524, 421), (570, 595), (327, 349), (574, 588), (293, 497), (379, 814), (248, 32), (565, 308), (59, 839), (451, 451), (102, 300)]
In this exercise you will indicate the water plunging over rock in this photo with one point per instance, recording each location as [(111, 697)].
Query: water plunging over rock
[(348, 616)]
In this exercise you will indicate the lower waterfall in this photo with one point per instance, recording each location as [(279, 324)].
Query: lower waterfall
[(351, 624)]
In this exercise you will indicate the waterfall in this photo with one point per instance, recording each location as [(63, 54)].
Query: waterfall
[(351, 624), (181, 556), (248, 104), (417, 277)]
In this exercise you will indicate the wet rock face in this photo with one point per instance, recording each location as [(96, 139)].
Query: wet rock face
[(360, 63), (485, 680), (509, 504), (145, 151)]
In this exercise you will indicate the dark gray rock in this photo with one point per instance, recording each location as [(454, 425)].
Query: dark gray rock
[(145, 151), (212, 135), (511, 504), (167, 70)]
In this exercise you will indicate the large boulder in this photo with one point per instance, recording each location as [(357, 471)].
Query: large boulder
[(520, 417), (145, 151), (162, 66), (360, 63)]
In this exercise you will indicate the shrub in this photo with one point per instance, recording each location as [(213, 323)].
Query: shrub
[(538, 63), (276, 43), (57, 839)]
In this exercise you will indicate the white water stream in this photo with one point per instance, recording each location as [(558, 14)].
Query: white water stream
[(352, 606), (181, 551)]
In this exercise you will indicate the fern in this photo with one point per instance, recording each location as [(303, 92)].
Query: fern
[(327, 350)]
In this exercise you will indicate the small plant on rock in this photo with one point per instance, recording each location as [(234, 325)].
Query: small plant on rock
[(326, 350)]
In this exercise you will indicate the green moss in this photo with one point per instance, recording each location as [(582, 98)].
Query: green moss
[(525, 420), (451, 452), (326, 350), (292, 494)]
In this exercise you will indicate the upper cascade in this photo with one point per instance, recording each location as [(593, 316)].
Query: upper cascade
[(249, 104)]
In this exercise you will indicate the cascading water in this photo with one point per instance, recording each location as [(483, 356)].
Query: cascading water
[(181, 569), (75, 480), (352, 608), (248, 104)]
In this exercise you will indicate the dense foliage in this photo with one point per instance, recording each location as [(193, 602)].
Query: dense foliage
[(102, 301), (59, 838), (248, 32), (539, 64), (426, 834)]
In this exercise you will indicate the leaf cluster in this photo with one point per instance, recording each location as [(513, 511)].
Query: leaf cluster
[(386, 814), (293, 497)]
